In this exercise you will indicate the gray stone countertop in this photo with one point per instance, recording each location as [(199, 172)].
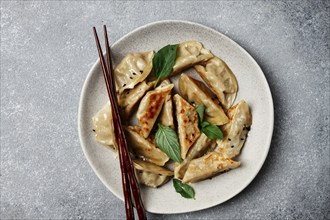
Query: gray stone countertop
[(47, 49)]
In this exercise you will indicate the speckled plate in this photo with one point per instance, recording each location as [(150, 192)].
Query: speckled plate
[(253, 87)]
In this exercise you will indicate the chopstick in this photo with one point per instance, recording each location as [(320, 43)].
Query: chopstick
[(129, 183)]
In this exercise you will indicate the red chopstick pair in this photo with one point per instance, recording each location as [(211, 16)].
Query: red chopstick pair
[(130, 186)]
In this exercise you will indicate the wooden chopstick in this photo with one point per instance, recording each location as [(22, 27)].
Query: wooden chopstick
[(128, 178)]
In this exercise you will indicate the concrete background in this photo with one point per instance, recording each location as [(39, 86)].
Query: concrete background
[(47, 49)]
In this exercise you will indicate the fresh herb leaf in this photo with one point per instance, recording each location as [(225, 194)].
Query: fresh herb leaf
[(185, 190), (168, 142), (211, 131), (163, 61), (200, 111)]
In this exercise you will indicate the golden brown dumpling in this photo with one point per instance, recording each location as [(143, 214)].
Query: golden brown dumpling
[(166, 115), (197, 150), (145, 148), (103, 127), (235, 132), (128, 98), (188, 54), (220, 79), (196, 92), (150, 107), (150, 174), (187, 118), (132, 69), (208, 166)]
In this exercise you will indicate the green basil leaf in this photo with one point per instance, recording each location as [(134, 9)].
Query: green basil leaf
[(200, 111), (211, 131), (168, 142), (185, 190), (163, 61)]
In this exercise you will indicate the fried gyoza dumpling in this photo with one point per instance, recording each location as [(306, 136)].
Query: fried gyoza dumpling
[(197, 92), (145, 148), (197, 150), (150, 107), (133, 68), (187, 118), (220, 79), (128, 98), (150, 174), (103, 127), (188, 54), (235, 132), (208, 166), (166, 115)]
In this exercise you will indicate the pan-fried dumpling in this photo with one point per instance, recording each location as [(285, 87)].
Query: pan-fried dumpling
[(150, 107), (208, 166), (187, 118), (128, 98), (197, 150), (220, 79), (145, 148), (197, 92), (132, 69), (150, 174), (235, 132), (103, 127), (188, 54)]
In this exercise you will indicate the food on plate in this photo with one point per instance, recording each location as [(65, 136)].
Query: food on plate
[(128, 99), (220, 79), (150, 174), (145, 148), (235, 132), (208, 166), (190, 53), (150, 107), (197, 150), (103, 127), (199, 131), (187, 119), (197, 92), (133, 68)]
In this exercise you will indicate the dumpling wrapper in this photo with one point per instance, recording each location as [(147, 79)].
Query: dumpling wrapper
[(128, 99), (187, 119), (201, 145), (188, 54), (197, 92), (235, 132), (144, 148), (103, 127), (150, 107), (132, 69), (166, 114), (208, 166), (220, 79), (150, 174)]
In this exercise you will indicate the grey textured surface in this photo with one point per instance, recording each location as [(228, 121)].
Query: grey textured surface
[(47, 48)]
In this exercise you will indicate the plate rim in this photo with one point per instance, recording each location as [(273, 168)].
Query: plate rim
[(82, 100)]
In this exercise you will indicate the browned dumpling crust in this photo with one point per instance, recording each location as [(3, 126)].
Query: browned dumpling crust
[(150, 107), (197, 92), (128, 99), (145, 148), (132, 69), (187, 118), (235, 132), (219, 77), (208, 166)]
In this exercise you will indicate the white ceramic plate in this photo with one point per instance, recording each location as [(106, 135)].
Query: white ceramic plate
[(253, 87)]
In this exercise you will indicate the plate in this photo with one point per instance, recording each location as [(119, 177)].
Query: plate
[(253, 87)]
